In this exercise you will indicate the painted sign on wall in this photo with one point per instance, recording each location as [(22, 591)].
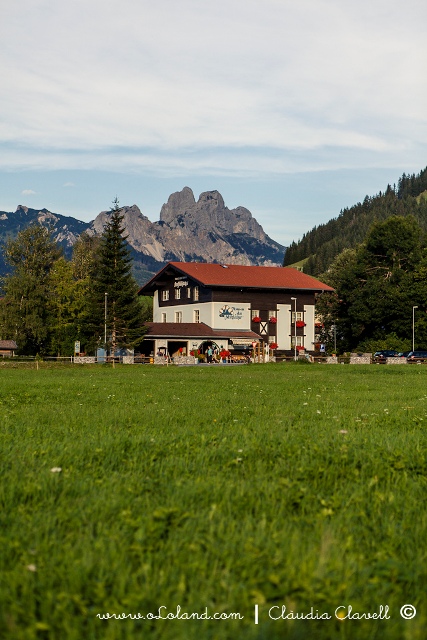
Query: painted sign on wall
[(231, 313), (226, 315)]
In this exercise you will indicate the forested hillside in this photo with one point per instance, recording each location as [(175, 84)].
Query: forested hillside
[(323, 243), (380, 298)]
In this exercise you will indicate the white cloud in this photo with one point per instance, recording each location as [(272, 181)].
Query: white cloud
[(28, 192), (68, 184), (235, 85)]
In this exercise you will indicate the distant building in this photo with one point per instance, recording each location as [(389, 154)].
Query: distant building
[(230, 306), (7, 348)]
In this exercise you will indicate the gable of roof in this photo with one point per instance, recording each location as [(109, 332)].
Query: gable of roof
[(8, 344), (233, 275)]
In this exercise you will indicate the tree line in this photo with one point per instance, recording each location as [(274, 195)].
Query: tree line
[(319, 247), (50, 302), (377, 285)]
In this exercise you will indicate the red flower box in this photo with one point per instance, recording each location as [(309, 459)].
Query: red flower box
[(300, 324), (300, 348), (256, 319), (274, 345), (273, 320)]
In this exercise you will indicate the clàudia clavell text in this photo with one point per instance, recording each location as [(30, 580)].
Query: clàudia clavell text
[(343, 612)]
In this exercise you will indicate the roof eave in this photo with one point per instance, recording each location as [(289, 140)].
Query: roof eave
[(150, 285)]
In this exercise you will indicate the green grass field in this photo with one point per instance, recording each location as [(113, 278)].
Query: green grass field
[(219, 488)]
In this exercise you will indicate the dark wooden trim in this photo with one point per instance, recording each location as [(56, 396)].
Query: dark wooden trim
[(263, 300)]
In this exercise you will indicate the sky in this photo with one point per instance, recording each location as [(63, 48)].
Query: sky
[(294, 110)]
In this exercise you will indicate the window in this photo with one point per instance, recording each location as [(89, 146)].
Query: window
[(271, 314), (299, 341), (165, 294), (178, 316), (255, 313), (196, 293), (163, 317), (188, 292), (196, 315), (177, 294), (299, 316)]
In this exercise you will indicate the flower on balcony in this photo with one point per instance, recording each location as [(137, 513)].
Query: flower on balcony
[(256, 319), (300, 347), (273, 345), (273, 319), (300, 323)]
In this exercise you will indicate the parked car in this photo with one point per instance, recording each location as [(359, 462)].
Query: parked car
[(381, 356), (417, 356), (404, 354)]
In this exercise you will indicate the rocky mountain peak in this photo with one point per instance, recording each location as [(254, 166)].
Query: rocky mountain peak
[(211, 200), (177, 205), (45, 216), (202, 231), (205, 230)]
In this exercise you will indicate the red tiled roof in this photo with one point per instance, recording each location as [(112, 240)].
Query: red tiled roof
[(233, 275), (194, 330)]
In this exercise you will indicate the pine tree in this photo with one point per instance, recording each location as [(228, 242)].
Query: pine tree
[(376, 285), (116, 290)]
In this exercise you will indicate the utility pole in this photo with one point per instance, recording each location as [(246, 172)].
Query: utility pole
[(105, 323)]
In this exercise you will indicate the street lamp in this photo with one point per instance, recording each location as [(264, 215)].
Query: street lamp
[(413, 327), (295, 328), (105, 323)]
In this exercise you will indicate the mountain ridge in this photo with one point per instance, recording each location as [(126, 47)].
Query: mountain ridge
[(188, 230)]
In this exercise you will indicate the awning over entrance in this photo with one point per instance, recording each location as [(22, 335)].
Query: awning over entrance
[(198, 331)]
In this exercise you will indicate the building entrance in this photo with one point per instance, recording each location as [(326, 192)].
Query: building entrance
[(210, 344)]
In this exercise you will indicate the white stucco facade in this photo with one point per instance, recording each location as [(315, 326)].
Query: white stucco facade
[(309, 326), (283, 326), (220, 315)]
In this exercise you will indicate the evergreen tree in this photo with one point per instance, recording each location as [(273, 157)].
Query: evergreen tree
[(115, 287), (377, 284)]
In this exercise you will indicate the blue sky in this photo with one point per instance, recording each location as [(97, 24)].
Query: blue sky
[(294, 110)]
